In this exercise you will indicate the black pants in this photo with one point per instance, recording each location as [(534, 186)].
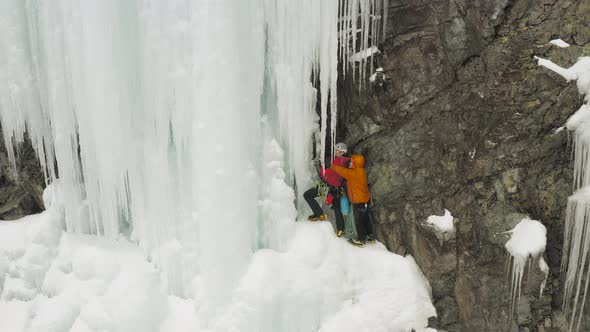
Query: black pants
[(310, 196), (336, 207), (363, 222)]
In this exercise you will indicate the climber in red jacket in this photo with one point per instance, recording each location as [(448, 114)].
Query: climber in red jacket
[(334, 190)]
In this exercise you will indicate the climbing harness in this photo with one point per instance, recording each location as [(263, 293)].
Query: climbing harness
[(323, 189)]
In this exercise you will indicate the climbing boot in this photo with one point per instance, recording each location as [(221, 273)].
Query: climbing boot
[(340, 233), (356, 242), (315, 217), (370, 238)]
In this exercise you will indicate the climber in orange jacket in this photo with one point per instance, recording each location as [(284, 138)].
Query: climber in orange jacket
[(359, 196)]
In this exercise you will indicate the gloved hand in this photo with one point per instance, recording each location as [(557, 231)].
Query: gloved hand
[(329, 199)]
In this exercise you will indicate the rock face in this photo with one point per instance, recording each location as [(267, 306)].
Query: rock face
[(21, 194), (467, 122)]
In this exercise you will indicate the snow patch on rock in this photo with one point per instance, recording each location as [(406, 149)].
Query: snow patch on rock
[(559, 43), (444, 223)]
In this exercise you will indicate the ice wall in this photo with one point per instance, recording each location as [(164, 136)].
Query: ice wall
[(577, 230), (154, 115), (145, 115)]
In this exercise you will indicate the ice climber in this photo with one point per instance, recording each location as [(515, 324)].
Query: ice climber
[(359, 196), (330, 187)]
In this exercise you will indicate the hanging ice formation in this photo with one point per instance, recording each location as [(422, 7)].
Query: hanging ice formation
[(527, 244), (576, 240), (161, 118), (364, 29)]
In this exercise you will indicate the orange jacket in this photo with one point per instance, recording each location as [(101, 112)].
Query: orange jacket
[(356, 179)]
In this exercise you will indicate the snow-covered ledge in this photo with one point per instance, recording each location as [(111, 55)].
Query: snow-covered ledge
[(559, 43)]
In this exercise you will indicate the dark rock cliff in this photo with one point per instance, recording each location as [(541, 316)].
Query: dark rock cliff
[(467, 122), (21, 193)]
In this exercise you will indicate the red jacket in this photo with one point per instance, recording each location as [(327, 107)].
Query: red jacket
[(330, 175)]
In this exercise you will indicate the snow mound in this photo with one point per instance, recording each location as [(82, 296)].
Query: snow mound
[(442, 223), (579, 119), (529, 238), (318, 283), (333, 286)]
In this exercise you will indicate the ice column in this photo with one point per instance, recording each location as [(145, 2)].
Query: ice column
[(154, 124), (577, 230)]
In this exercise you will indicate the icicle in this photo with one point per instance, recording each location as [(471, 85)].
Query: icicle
[(527, 242), (545, 269), (577, 231), (385, 18), (360, 34)]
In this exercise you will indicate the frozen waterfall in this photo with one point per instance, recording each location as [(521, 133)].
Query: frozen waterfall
[(174, 122)]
